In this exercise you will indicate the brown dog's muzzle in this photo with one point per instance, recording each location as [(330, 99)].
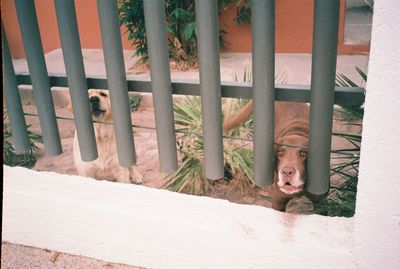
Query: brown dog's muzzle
[(290, 170)]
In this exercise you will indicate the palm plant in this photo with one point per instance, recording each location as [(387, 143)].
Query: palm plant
[(238, 155), (342, 196), (134, 101), (190, 175), (181, 28), (243, 10), (10, 157)]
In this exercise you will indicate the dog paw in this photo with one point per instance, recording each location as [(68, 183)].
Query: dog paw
[(135, 176)]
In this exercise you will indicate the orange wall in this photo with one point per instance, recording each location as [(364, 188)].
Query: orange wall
[(88, 24), (293, 27)]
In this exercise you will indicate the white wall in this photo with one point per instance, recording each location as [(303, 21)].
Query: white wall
[(160, 229), (377, 221)]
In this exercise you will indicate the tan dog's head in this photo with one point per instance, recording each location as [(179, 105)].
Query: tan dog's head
[(290, 164), (100, 105)]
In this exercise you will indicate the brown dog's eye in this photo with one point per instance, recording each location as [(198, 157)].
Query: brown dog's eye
[(303, 153), (279, 153), (103, 94)]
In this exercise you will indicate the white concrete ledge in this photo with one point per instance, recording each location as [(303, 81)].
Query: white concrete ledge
[(160, 229)]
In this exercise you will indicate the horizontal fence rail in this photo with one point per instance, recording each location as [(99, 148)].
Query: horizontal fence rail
[(352, 96)]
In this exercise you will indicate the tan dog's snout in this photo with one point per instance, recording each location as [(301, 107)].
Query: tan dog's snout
[(95, 106), (99, 103)]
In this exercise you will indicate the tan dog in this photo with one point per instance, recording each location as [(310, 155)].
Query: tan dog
[(106, 166), (291, 139)]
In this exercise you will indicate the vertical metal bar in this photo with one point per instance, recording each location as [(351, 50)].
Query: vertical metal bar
[(325, 39), (68, 27), (38, 71), (116, 79), (263, 25), (13, 100), (210, 86), (154, 12)]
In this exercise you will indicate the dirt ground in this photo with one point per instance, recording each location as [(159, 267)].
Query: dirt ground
[(147, 160)]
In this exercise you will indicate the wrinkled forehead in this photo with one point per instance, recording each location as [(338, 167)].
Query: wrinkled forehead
[(292, 142), (289, 148), (96, 92)]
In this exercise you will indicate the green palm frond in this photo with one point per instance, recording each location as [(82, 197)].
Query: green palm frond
[(10, 157)]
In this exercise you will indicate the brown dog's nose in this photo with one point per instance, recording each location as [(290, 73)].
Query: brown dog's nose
[(288, 171)]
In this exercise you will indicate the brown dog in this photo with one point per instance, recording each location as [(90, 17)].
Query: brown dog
[(106, 166), (291, 142)]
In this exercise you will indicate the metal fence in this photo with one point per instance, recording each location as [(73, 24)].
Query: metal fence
[(322, 94)]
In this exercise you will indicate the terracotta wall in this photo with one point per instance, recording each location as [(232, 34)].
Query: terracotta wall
[(293, 27), (88, 24)]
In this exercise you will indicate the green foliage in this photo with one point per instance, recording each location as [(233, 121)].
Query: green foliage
[(10, 157), (343, 81), (237, 155), (243, 10), (181, 28), (180, 25), (131, 15), (370, 4), (134, 101), (190, 175), (342, 197)]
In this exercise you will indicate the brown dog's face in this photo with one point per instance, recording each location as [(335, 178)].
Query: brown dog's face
[(290, 168), (100, 105)]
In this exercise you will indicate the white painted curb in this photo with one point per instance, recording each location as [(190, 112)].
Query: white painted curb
[(154, 228)]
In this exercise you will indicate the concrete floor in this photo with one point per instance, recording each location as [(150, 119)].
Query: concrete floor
[(22, 257), (297, 67)]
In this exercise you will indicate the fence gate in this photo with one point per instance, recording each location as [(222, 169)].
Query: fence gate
[(321, 94)]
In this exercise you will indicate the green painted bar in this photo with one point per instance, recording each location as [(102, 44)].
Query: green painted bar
[(71, 48), (263, 33), (12, 98), (38, 71), (325, 39), (155, 21), (210, 86), (116, 80)]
